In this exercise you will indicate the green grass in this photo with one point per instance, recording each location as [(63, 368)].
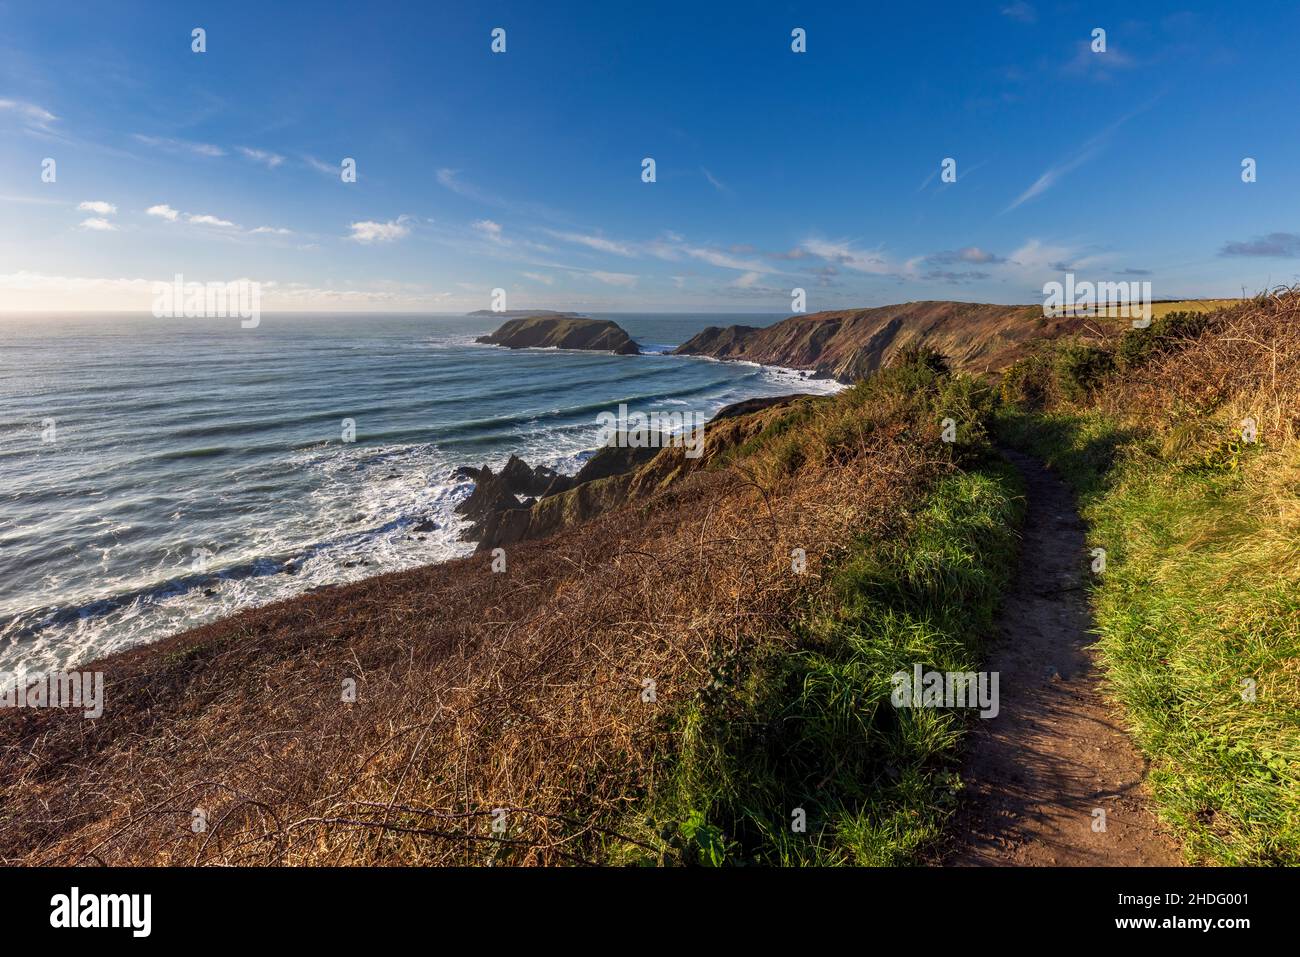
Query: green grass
[(1199, 599), (811, 727), (800, 724)]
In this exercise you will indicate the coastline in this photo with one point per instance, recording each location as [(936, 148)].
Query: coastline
[(238, 589)]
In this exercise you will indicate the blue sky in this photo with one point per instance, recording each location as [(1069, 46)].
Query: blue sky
[(522, 170)]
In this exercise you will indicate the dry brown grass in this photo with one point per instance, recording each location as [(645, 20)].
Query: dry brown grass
[(1204, 526), (1246, 363), (475, 691)]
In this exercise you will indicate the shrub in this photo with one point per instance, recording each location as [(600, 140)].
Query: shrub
[(1078, 370), (1026, 384), (1137, 347)]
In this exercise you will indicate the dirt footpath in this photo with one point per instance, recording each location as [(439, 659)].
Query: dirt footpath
[(1037, 773)]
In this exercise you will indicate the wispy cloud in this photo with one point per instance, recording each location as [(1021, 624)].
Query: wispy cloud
[(1053, 174), (968, 254), (321, 166), (716, 183), (180, 146), (370, 231), (716, 257), (1089, 151), (1096, 66), (98, 224), (487, 228), (271, 160), (1034, 259), (29, 114), (540, 277), (452, 180), (844, 254), (626, 280), (1024, 12), (598, 243)]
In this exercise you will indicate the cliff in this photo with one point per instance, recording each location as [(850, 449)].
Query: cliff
[(851, 344), (612, 477)]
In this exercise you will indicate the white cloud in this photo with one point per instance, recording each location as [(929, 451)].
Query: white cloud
[(716, 257), (1035, 260), (488, 228), (1021, 11), (31, 115), (665, 250), (539, 277), (180, 146), (272, 230), (626, 280), (748, 280), (322, 167), (163, 211), (598, 243), (714, 181), (203, 219), (369, 231), (272, 160), (1088, 151), (450, 179), (1049, 178), (842, 253), (101, 225), (97, 206)]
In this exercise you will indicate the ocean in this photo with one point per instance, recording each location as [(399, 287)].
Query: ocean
[(157, 474)]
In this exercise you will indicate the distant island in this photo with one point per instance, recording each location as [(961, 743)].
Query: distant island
[(561, 330)]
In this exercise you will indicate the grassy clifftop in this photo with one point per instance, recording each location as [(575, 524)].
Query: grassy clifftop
[(1181, 440), (666, 683), (699, 672), (851, 344)]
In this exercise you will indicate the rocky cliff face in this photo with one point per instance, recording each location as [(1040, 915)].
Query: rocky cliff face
[(851, 344), (612, 477), (563, 332)]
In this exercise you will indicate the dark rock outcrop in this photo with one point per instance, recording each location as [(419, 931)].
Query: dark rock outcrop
[(496, 496), (614, 460), (563, 332), (614, 475)]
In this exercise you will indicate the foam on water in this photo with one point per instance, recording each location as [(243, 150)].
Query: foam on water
[(187, 437)]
